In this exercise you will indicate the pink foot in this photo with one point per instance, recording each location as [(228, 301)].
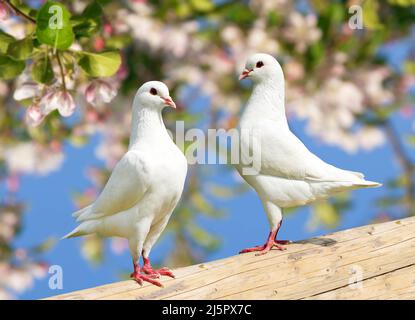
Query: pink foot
[(148, 269), (139, 277), (271, 243)]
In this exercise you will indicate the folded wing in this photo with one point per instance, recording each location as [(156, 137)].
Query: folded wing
[(284, 155), (126, 186)]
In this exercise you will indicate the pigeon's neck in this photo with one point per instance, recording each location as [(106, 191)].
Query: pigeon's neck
[(147, 125), (267, 101)]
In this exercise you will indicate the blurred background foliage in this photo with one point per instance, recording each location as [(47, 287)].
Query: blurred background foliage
[(70, 84)]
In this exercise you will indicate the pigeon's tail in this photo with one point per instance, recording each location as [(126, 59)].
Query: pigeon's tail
[(83, 229), (367, 184), (78, 213)]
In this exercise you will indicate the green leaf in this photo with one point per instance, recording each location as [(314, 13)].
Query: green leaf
[(411, 140), (119, 41), (202, 5), (84, 27), (88, 23), (21, 49), (103, 64), (409, 67), (53, 26), (5, 40), (45, 246), (402, 3), (92, 249), (326, 213), (10, 68), (370, 15), (42, 71), (238, 13), (93, 11), (202, 237)]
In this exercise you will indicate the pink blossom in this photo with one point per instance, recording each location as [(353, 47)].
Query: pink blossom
[(20, 254), (407, 111), (302, 30), (34, 115), (4, 11), (108, 29), (38, 269), (12, 183), (122, 72), (99, 92), (61, 100), (294, 70), (26, 90), (99, 44)]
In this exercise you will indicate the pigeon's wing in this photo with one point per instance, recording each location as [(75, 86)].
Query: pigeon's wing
[(126, 186), (284, 155)]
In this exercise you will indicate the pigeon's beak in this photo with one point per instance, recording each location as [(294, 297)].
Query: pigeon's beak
[(169, 102), (245, 74)]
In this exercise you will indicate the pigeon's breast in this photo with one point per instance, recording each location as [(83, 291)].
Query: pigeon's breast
[(167, 170)]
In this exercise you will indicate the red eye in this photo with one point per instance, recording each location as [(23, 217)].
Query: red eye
[(259, 64), (153, 91)]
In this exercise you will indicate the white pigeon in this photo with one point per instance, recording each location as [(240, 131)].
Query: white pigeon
[(144, 187), (289, 174)]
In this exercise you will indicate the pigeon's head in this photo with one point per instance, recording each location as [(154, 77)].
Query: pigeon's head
[(260, 67), (154, 94)]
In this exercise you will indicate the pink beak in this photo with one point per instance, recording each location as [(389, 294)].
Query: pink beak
[(245, 74), (169, 102)]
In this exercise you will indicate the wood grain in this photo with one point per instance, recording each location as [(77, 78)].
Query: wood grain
[(370, 262)]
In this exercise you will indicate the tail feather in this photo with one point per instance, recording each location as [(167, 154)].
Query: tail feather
[(72, 234), (368, 184), (78, 213), (83, 229), (357, 174)]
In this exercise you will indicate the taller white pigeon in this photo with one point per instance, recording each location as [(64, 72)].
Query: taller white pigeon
[(144, 187), (289, 174)]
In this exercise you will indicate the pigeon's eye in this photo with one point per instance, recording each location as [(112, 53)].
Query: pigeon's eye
[(153, 91), (259, 64)]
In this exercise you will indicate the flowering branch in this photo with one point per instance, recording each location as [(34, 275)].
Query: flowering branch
[(18, 12), (61, 70)]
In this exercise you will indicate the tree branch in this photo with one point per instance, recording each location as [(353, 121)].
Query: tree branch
[(18, 12), (61, 70)]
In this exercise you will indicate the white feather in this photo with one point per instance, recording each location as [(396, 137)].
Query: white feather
[(146, 184), (289, 175)]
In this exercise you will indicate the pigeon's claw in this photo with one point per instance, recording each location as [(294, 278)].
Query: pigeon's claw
[(148, 269), (139, 278), (266, 247), (257, 248), (166, 272), (271, 243), (284, 242)]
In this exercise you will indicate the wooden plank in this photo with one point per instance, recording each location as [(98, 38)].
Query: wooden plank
[(399, 284), (370, 262)]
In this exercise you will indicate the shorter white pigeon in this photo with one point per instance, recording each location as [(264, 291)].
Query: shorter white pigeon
[(145, 186), (289, 174)]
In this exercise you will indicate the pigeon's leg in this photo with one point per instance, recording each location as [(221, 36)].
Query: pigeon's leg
[(136, 247), (152, 237), (271, 243), (283, 242), (275, 218)]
